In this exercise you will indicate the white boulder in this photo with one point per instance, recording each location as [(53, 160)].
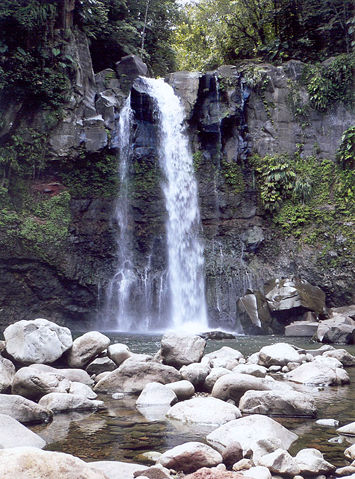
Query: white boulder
[(60, 402), (37, 341), (311, 461), (180, 350), (204, 410), (14, 434), (86, 347), (7, 373), (22, 409), (278, 354), (320, 372), (156, 394), (348, 429), (279, 462), (183, 389), (118, 352), (224, 357), (33, 384)]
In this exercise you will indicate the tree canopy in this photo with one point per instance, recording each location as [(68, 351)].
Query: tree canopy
[(213, 32)]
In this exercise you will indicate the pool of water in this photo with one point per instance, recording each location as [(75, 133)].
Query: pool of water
[(123, 433)]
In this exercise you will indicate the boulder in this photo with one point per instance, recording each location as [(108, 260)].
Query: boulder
[(249, 431), (348, 429), (234, 385), (258, 472), (183, 389), (77, 375), (349, 453), (189, 457), (61, 402), (232, 454), (7, 374), (100, 365), (23, 410), (186, 86), (153, 472), (14, 434), (86, 347), (224, 357), (337, 329), (311, 461), (180, 350), (128, 69), (31, 384), (278, 354), (280, 462), (156, 394), (293, 297), (278, 403), (302, 328), (117, 469), (254, 314), (196, 373), (204, 410), (30, 463), (37, 341), (214, 473), (133, 375), (251, 369), (320, 372), (118, 353), (341, 355), (81, 389), (215, 374)]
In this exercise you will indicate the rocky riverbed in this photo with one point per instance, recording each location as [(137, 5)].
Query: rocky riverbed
[(202, 409)]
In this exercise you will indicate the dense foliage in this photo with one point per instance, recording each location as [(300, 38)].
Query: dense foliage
[(214, 32)]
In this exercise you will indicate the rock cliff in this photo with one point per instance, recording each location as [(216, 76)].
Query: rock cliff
[(233, 114)]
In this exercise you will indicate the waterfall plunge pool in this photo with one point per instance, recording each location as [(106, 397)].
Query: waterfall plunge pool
[(122, 433)]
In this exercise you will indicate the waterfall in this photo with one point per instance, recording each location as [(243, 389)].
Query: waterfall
[(185, 250), (136, 297)]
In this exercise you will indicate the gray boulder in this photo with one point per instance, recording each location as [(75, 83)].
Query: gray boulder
[(183, 389), (180, 350), (254, 314), (77, 375), (155, 394), (117, 470), (224, 357), (86, 347), (302, 328), (341, 355), (294, 297), (32, 384), (215, 374), (196, 373), (234, 385), (100, 365), (278, 403), (128, 69), (203, 410), (14, 434), (118, 353), (338, 329), (82, 390), (29, 462), (23, 410), (133, 375), (249, 431), (37, 341), (279, 462), (251, 369), (61, 402), (186, 86), (189, 457), (7, 373), (311, 461), (320, 372), (278, 354)]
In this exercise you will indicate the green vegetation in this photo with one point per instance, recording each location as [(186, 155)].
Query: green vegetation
[(310, 199), (213, 32), (233, 176)]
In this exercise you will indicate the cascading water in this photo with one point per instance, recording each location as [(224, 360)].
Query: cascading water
[(137, 297), (185, 251)]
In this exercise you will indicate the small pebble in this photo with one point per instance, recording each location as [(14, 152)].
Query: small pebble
[(327, 422)]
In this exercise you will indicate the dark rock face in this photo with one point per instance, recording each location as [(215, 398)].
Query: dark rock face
[(226, 120)]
